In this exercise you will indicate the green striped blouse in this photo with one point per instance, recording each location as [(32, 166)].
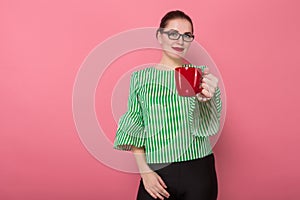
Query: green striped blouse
[(172, 128)]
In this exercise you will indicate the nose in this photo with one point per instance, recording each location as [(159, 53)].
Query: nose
[(180, 40)]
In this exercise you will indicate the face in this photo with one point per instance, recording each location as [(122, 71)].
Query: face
[(175, 49)]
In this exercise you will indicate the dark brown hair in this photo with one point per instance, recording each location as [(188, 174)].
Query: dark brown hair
[(176, 14)]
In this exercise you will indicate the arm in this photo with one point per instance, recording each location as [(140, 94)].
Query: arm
[(153, 183), (139, 153), (207, 112), (130, 130)]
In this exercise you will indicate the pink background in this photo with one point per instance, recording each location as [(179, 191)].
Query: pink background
[(254, 43)]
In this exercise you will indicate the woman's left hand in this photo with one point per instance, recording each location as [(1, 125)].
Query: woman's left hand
[(209, 85)]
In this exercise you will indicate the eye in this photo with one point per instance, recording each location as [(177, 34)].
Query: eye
[(189, 36), (173, 34)]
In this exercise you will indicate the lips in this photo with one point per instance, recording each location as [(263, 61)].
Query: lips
[(179, 49)]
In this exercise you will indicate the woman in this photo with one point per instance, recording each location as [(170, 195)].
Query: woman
[(168, 133)]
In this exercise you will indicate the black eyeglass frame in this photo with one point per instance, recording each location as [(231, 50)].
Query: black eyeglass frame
[(180, 35)]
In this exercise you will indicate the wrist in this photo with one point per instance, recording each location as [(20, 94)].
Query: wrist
[(145, 172), (201, 98), (145, 168)]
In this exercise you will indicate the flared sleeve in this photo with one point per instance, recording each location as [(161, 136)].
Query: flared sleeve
[(206, 115), (130, 131)]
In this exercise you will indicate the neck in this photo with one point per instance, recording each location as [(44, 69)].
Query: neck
[(170, 63)]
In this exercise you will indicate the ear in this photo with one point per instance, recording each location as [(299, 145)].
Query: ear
[(158, 36)]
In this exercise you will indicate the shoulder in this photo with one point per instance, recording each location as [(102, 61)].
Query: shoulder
[(141, 73), (139, 76)]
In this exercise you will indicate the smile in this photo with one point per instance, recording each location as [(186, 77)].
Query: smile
[(179, 49)]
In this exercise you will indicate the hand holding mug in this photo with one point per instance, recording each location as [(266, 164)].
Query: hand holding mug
[(209, 85)]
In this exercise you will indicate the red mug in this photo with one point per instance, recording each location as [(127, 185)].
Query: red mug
[(188, 81)]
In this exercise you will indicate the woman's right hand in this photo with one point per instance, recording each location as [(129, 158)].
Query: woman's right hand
[(154, 185)]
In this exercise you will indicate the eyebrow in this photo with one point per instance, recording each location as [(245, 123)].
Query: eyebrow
[(183, 33)]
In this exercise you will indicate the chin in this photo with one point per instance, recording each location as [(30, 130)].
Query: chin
[(175, 56)]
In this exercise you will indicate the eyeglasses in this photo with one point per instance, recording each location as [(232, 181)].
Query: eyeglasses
[(174, 35)]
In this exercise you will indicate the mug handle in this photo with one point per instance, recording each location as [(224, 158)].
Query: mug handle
[(201, 77)]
